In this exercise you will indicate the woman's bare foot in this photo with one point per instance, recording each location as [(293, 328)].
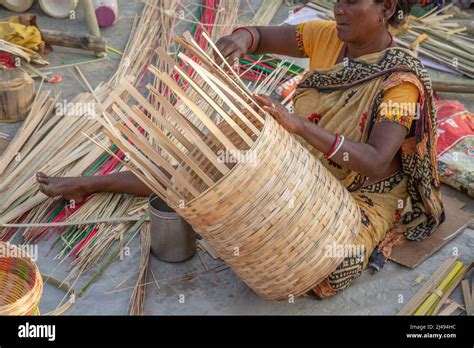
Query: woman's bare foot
[(72, 189)]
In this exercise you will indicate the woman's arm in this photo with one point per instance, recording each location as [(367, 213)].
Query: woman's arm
[(272, 39), (371, 159)]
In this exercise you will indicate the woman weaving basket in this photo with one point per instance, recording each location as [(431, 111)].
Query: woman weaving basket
[(356, 110)]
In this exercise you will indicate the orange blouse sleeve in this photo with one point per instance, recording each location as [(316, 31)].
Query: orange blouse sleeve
[(318, 40), (399, 105)]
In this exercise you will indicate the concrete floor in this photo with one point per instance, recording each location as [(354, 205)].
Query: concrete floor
[(204, 294)]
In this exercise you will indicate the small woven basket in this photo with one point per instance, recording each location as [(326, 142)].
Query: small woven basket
[(274, 220), (21, 284)]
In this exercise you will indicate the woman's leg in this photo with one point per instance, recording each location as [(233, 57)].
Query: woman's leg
[(79, 188), (380, 206)]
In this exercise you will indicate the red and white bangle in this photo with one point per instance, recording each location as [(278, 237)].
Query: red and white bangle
[(251, 35), (336, 146)]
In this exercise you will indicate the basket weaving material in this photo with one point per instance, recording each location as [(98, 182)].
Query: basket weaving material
[(274, 216), (274, 220), (21, 284)]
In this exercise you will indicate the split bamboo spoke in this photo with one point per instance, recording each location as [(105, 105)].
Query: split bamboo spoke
[(158, 135), (213, 104), (156, 115), (141, 143), (239, 84), (218, 85), (192, 133), (198, 112)]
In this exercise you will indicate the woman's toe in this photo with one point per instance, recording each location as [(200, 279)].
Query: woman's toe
[(42, 178)]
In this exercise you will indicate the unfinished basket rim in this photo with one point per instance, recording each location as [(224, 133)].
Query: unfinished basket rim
[(234, 168)]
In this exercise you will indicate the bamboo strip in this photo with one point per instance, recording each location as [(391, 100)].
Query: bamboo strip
[(226, 63), (227, 100), (208, 76), (215, 68), (137, 300), (198, 112), (27, 129), (449, 309), (108, 220), (209, 100), (467, 297), (159, 178), (192, 133), (147, 149), (158, 118), (167, 144), (60, 310)]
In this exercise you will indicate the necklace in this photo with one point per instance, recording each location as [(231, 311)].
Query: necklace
[(347, 46)]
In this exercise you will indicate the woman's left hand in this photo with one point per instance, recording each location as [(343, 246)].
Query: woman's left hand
[(289, 121)]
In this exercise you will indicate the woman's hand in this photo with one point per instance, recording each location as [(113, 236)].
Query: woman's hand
[(289, 121), (233, 46)]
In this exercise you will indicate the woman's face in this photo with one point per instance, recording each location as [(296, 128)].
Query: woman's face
[(358, 20)]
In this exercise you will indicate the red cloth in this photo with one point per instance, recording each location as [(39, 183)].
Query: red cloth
[(455, 123), (7, 60)]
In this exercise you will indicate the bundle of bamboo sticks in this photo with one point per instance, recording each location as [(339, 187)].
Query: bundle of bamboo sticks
[(47, 142), (435, 35), (439, 39), (22, 52), (434, 293), (137, 300)]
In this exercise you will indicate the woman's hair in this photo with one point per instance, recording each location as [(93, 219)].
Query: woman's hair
[(403, 9)]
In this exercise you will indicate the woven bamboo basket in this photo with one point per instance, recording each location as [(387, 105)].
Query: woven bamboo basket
[(21, 284), (272, 214), (273, 220)]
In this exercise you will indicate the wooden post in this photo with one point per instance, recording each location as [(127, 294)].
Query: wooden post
[(83, 42), (91, 19)]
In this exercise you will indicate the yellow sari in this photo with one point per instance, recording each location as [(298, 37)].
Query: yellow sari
[(346, 99)]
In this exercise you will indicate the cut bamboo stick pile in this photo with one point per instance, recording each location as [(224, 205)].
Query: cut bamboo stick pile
[(151, 29), (137, 301), (436, 37), (22, 52), (33, 141), (266, 12)]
